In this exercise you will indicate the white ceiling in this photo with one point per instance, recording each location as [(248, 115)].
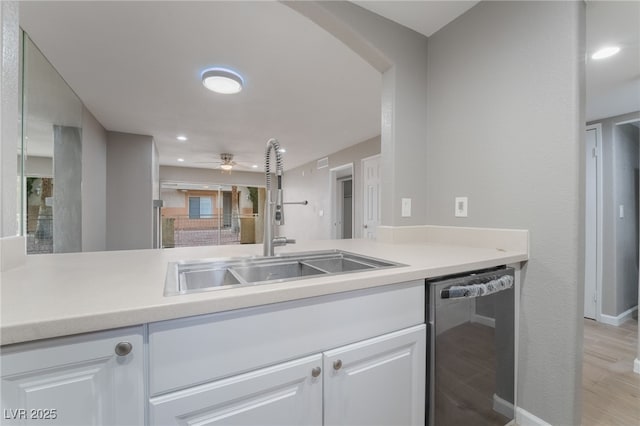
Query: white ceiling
[(425, 17), (136, 66)]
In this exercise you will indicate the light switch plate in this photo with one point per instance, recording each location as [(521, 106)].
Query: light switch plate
[(406, 207), (621, 212), (461, 206)]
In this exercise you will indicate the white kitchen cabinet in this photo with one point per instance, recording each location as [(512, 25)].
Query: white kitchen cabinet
[(289, 393), (77, 380), (379, 381)]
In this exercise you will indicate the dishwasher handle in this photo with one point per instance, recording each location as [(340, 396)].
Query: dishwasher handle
[(469, 291)]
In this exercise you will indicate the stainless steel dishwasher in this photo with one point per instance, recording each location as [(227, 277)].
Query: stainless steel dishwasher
[(471, 380)]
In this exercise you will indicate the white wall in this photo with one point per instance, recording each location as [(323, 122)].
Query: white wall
[(94, 183), (130, 191), (506, 124), (9, 118), (307, 182), (38, 166)]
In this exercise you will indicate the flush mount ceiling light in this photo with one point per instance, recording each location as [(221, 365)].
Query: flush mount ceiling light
[(181, 138), (222, 80), (180, 160), (605, 52)]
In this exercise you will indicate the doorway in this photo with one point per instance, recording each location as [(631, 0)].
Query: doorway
[(342, 201), (593, 223)]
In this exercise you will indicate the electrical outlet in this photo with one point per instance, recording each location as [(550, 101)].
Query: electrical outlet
[(406, 207), (461, 206)]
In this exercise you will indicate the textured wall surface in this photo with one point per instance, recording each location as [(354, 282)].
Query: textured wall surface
[(506, 124), (9, 118)]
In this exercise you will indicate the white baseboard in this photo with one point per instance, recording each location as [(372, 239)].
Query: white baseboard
[(618, 320), (525, 418), (502, 406), (481, 319), (636, 366)]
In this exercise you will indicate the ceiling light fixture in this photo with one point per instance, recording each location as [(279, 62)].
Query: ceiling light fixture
[(255, 166), (222, 80), (181, 138), (282, 150), (605, 52), (180, 160), (226, 166)]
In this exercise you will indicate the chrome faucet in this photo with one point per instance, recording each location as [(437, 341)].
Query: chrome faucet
[(273, 218)]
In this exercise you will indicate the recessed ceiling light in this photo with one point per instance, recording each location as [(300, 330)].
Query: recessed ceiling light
[(181, 138), (282, 150), (605, 52), (255, 166), (222, 80), (180, 160)]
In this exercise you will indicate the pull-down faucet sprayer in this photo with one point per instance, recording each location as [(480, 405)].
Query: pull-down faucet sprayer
[(276, 217)]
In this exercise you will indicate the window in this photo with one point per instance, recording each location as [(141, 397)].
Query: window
[(200, 208)]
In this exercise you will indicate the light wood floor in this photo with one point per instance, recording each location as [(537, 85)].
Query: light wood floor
[(610, 388)]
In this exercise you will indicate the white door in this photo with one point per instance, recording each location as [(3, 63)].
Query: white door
[(75, 381), (284, 394), (380, 381), (590, 264), (371, 196)]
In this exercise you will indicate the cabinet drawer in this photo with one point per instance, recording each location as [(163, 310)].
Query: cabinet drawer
[(284, 394), (201, 349)]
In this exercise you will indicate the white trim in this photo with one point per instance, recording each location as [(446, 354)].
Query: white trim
[(618, 320), (636, 366), (631, 120), (502, 406), (525, 418), (484, 320)]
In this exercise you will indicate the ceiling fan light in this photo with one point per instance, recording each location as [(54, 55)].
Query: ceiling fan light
[(226, 167), (222, 80)]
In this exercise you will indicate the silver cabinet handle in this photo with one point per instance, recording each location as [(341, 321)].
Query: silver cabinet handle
[(337, 365), (316, 372), (123, 348)]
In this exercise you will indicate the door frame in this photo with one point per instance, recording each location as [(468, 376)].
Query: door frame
[(599, 218), (337, 174)]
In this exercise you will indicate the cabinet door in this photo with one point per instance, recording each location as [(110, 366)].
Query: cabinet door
[(285, 394), (77, 380), (380, 381)]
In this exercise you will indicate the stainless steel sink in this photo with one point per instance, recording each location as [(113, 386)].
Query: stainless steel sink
[(185, 277)]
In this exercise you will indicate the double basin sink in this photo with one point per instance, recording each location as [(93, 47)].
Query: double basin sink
[(185, 277)]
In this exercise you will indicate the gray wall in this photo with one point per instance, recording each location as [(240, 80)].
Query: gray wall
[(9, 136), (130, 191), (94, 183), (505, 128), (308, 183), (209, 176)]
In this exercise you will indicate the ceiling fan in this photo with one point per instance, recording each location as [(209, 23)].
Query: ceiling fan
[(226, 162)]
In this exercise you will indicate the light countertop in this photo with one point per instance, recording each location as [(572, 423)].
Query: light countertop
[(63, 294)]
